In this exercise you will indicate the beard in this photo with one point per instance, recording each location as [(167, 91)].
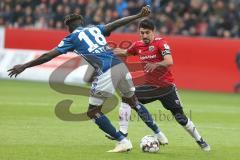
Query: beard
[(146, 41)]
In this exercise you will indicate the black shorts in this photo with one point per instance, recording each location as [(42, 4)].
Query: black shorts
[(167, 96)]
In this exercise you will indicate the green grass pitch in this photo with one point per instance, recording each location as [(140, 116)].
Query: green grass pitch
[(29, 129)]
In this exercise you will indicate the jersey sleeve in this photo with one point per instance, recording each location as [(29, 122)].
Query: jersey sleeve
[(132, 50), (103, 30), (66, 45), (164, 48)]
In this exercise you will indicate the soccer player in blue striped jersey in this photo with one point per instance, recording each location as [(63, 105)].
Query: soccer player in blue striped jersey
[(90, 43)]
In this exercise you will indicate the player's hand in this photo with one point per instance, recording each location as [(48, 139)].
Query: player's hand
[(146, 11), (150, 67), (119, 51), (16, 70)]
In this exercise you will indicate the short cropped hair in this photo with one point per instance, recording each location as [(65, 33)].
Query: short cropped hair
[(72, 17), (147, 24)]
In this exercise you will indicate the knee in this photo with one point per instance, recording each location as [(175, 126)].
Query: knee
[(94, 111)]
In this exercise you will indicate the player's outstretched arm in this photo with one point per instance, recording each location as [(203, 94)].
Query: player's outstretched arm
[(16, 70), (123, 21)]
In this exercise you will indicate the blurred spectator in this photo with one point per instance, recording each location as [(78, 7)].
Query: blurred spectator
[(121, 5), (219, 18)]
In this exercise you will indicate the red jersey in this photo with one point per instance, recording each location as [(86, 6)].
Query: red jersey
[(153, 52)]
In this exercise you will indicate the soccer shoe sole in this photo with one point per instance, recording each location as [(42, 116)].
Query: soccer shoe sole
[(120, 151)]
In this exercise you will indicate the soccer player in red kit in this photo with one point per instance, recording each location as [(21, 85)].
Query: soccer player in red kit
[(158, 82)]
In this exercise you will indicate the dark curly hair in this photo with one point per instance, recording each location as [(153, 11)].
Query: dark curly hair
[(73, 21)]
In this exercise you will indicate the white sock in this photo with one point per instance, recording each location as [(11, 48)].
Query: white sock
[(124, 140), (124, 117), (191, 129)]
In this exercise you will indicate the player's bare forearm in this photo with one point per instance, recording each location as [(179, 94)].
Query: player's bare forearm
[(166, 63), (16, 70), (120, 52), (42, 59), (123, 21)]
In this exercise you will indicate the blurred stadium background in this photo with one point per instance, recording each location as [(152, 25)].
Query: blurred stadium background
[(203, 34), (204, 37), (217, 18)]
